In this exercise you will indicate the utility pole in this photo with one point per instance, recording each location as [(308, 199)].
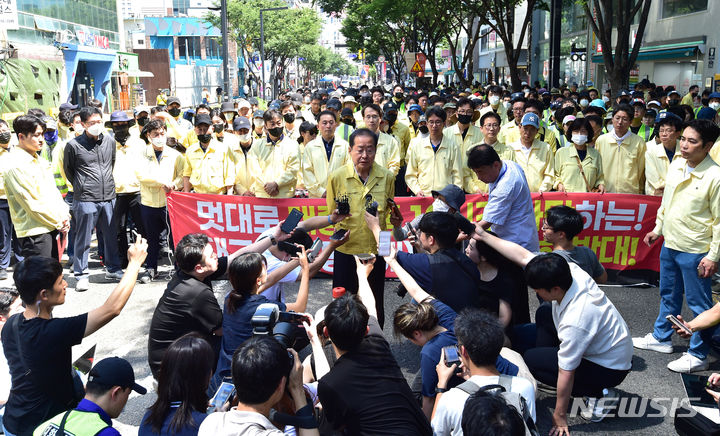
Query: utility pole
[(226, 71), (262, 45), (555, 35)]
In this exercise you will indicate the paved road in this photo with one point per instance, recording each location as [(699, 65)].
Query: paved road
[(126, 337)]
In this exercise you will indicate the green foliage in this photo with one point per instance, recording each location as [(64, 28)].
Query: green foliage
[(321, 60)]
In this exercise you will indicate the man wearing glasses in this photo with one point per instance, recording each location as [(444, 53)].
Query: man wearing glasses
[(388, 149), (436, 161), (510, 131), (623, 154)]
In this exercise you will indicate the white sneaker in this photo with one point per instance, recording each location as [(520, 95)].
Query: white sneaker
[(117, 275), (688, 363), (599, 408), (82, 285), (648, 342)]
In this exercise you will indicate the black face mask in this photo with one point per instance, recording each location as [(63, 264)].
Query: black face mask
[(673, 102), (349, 121), (275, 132), (174, 111), (391, 118), (424, 129), (546, 101), (5, 137), (399, 95), (464, 118), (204, 139), (218, 127), (142, 121), (705, 101), (289, 117), (121, 134), (694, 94)]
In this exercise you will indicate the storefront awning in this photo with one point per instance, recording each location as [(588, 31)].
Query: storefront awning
[(136, 73), (664, 51)]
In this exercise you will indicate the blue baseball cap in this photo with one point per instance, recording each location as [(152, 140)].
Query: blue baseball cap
[(714, 95), (706, 113), (666, 115), (531, 120), (415, 107)]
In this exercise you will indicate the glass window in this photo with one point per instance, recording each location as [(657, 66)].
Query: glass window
[(671, 8), (182, 47)]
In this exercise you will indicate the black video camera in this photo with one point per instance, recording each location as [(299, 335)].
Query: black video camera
[(285, 327)]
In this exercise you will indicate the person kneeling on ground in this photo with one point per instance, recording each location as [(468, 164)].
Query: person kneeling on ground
[(106, 393), (591, 351), (480, 339), (262, 372), (428, 322)]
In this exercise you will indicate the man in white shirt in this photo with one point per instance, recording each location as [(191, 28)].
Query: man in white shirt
[(480, 339), (593, 351)]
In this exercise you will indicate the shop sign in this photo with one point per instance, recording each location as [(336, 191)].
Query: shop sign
[(91, 39), (9, 14)]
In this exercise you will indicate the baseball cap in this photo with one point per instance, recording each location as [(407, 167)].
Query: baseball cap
[(203, 119), (706, 113), (598, 102), (449, 105), (415, 107), (454, 196), (114, 371), (347, 112), (50, 123), (68, 107), (253, 101), (333, 103), (516, 95), (531, 120), (390, 106), (172, 100), (241, 123), (625, 93), (673, 92), (638, 102), (349, 99), (258, 113), (140, 109), (714, 95), (657, 103), (665, 115), (568, 119), (651, 113), (227, 106)]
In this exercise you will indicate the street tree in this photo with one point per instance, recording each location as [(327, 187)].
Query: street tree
[(606, 16)]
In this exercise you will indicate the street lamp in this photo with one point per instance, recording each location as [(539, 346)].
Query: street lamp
[(224, 30), (262, 44)]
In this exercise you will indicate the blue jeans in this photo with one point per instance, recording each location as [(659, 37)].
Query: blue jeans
[(678, 275), (89, 215)]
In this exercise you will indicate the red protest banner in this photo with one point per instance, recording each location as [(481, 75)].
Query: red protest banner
[(615, 224)]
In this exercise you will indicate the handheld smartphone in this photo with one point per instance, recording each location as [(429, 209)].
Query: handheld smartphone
[(673, 320), (391, 202), (410, 230), (291, 221), (338, 235), (464, 224), (315, 250), (222, 396), (365, 257), (452, 355), (291, 249), (700, 270), (384, 243), (136, 236), (712, 387)]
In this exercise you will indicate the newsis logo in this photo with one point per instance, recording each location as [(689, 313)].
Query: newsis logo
[(635, 407)]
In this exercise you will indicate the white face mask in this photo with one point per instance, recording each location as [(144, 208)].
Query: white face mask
[(258, 122), (606, 98), (95, 129), (79, 129), (506, 104), (306, 100), (584, 102), (715, 105), (244, 138), (579, 139), (493, 99), (440, 206), (158, 141)]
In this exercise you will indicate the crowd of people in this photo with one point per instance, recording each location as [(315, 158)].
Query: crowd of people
[(482, 360)]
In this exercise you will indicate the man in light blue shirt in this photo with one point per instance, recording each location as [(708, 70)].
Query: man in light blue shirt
[(509, 209)]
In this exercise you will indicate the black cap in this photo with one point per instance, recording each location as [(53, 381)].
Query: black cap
[(203, 119), (68, 107), (172, 100), (334, 103), (454, 196), (347, 112), (241, 123), (389, 106), (114, 371)]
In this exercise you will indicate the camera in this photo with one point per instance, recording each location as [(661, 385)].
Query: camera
[(371, 206), (285, 327), (343, 205)]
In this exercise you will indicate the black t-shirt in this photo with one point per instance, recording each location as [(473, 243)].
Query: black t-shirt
[(47, 390), (188, 305), (365, 393), (509, 285)]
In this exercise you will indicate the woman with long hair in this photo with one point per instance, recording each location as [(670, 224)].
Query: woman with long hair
[(182, 401)]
